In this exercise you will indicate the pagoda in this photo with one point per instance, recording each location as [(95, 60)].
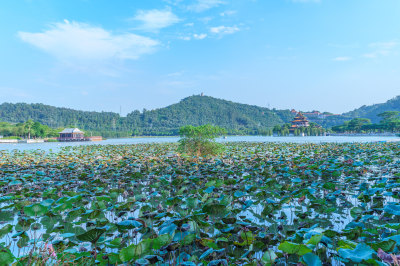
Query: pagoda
[(299, 121)]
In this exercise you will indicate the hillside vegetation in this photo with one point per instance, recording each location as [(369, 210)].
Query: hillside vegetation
[(194, 110), (199, 110), (372, 111)]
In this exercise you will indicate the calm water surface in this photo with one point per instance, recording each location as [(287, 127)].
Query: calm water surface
[(55, 146)]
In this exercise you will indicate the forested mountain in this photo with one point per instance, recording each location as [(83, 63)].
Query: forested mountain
[(56, 117), (372, 111), (329, 121), (194, 110), (198, 110)]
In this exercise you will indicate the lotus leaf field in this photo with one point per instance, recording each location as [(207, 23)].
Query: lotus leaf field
[(256, 204)]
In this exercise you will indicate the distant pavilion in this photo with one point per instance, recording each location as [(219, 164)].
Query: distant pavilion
[(299, 121), (71, 134)]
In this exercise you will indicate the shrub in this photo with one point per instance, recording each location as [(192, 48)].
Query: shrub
[(11, 137), (200, 140)]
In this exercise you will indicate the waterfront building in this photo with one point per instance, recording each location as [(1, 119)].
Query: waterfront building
[(299, 121), (71, 134)]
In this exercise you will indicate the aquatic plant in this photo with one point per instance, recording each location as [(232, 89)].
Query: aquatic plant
[(200, 140), (255, 204)]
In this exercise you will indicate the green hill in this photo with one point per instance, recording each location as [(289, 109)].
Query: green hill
[(195, 110), (198, 110), (57, 117), (372, 111)]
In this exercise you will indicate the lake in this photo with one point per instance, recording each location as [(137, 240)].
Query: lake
[(55, 146), (331, 204)]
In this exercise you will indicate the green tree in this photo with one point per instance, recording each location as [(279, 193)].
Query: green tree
[(389, 116), (390, 120), (357, 123), (200, 140), (28, 127)]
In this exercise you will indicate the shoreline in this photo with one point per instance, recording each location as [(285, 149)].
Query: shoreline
[(41, 141)]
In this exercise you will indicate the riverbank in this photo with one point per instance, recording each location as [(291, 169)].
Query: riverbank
[(14, 141), (364, 135)]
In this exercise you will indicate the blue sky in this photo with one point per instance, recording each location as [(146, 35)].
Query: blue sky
[(329, 55)]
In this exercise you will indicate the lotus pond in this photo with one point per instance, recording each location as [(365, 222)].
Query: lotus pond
[(257, 204)]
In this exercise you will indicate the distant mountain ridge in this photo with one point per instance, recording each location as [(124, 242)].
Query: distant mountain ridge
[(196, 110), (372, 111)]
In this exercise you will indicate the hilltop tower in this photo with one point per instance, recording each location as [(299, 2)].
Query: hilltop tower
[(299, 121)]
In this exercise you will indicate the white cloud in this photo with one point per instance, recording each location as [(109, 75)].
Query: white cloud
[(203, 5), (175, 74), (74, 41), (228, 13), (199, 36), (205, 20), (224, 30), (185, 38), (381, 49), (195, 36), (384, 45), (154, 20), (306, 1), (370, 55), (342, 58)]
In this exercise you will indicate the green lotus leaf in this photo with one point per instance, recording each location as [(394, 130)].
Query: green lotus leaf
[(5, 230), (129, 224), (161, 241), (361, 253), (168, 229), (215, 209), (315, 239), (67, 235), (355, 212), (269, 258), (142, 262), (292, 248), (135, 251), (6, 198), (47, 202), (91, 236), (188, 239), (15, 183), (311, 259), (392, 209), (35, 210), (6, 257), (206, 253)]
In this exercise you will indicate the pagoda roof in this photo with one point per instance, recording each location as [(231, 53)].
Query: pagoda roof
[(71, 130)]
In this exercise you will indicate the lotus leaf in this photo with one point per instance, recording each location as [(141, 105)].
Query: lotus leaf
[(362, 252), (311, 259), (91, 236), (293, 248), (35, 210), (5, 230), (269, 257)]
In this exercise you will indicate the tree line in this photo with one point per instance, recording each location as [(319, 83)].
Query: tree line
[(27, 130), (238, 119), (390, 122), (312, 130)]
